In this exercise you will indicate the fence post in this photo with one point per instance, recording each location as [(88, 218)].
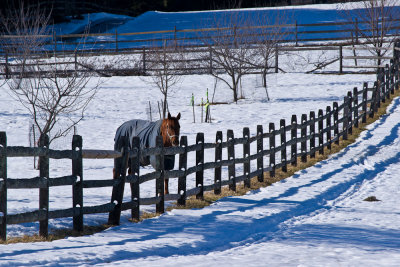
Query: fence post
[(231, 156), (116, 40), (77, 187), (3, 188), (364, 102), (160, 208), (312, 134), (355, 108), (272, 149), (276, 59), (120, 165), (340, 59), (293, 149), (296, 33), (391, 76), (350, 114), (144, 60), (329, 127), (7, 68), (246, 156), (182, 167), (356, 30), (200, 160), (320, 132), (387, 83), (345, 117), (44, 192), (283, 144), (374, 100), (260, 152), (336, 122), (211, 60), (175, 42), (76, 61), (55, 43), (304, 138), (135, 186), (218, 158)]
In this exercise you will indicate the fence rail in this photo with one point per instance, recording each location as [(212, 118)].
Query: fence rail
[(283, 145)]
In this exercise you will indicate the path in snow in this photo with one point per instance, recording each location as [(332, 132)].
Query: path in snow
[(309, 210)]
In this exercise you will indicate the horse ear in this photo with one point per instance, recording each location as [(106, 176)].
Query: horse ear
[(179, 116), (169, 115)]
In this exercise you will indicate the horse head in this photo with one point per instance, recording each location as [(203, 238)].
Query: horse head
[(170, 130)]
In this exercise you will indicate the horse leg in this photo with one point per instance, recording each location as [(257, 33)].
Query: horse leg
[(166, 191)]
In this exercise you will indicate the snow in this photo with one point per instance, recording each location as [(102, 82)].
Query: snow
[(317, 217)]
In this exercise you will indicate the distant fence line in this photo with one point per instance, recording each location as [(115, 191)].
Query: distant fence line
[(201, 62), (294, 33), (292, 142), (190, 41)]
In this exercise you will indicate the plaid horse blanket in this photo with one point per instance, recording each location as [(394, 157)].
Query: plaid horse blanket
[(147, 131)]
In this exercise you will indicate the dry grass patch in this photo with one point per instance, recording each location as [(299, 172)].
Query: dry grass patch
[(57, 234)]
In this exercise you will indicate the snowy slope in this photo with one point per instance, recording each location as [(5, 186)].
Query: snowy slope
[(317, 217)]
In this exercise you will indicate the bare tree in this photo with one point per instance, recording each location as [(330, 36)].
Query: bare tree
[(165, 64), (229, 48), (373, 21), (268, 40), (53, 91)]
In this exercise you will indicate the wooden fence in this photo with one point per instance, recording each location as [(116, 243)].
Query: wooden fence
[(294, 33), (282, 145), (199, 61)]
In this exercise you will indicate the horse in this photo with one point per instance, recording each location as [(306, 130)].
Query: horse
[(147, 131)]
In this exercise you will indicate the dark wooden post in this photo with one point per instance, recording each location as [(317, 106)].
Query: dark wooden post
[(345, 118), (246, 156), (144, 60), (231, 156), (296, 33), (355, 107), (182, 167), (304, 138), (260, 152), (44, 192), (336, 122), (350, 114), (312, 134), (373, 100), (77, 188), (387, 82), (200, 161), (218, 158), (120, 166), (276, 58), (116, 41), (76, 61), (3, 188), (293, 149), (283, 144), (160, 207), (365, 102), (7, 67), (272, 149), (320, 132), (135, 186), (391, 76), (211, 61), (329, 127), (340, 59)]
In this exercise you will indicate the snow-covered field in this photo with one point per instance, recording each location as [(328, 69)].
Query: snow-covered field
[(314, 218)]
